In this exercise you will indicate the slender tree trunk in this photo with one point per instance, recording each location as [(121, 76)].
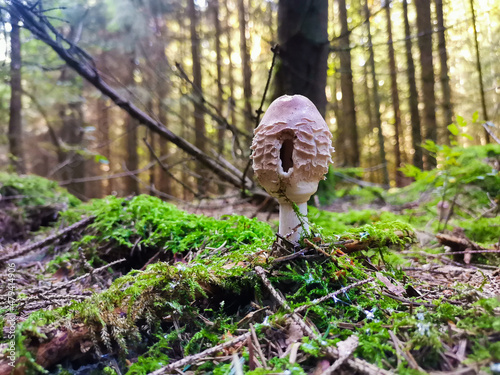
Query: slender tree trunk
[(103, 124), (15, 133), (416, 133), (369, 113), (245, 61), (72, 134), (424, 27), (131, 128), (348, 130), (132, 157), (199, 120), (152, 152), (165, 183), (214, 6), (304, 47), (444, 76), (394, 97), (162, 90), (376, 100), (479, 70), (72, 117), (230, 68)]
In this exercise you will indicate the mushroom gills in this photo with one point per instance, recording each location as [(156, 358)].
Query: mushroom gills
[(286, 157)]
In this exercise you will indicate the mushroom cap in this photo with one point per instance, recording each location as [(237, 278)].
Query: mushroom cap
[(292, 148)]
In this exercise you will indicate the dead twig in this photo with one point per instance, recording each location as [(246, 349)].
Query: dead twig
[(257, 346), (196, 357), (81, 224), (333, 295), (355, 363)]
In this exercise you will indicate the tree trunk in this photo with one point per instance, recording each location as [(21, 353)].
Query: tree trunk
[(153, 153), (165, 182), (304, 48), (72, 133), (162, 90), (479, 70), (444, 76), (424, 27), (131, 125), (247, 70), (103, 125), (394, 97), (199, 120), (214, 7), (348, 130), (376, 100), (230, 68), (416, 133), (15, 133), (369, 115)]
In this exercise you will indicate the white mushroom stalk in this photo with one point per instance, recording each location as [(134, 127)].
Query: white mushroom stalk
[(292, 149)]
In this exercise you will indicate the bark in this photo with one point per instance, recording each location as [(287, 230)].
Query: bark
[(245, 61), (479, 70), (165, 183), (152, 153), (348, 130), (103, 125), (73, 57), (162, 90), (424, 27), (230, 67), (395, 98), (304, 48), (376, 100), (416, 133), (221, 129), (444, 71), (15, 132), (198, 114), (369, 112), (131, 126), (72, 133)]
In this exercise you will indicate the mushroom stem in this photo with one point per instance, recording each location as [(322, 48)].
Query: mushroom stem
[(291, 227)]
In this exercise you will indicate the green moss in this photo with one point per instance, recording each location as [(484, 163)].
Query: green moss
[(35, 191), (153, 359), (146, 221), (483, 230)]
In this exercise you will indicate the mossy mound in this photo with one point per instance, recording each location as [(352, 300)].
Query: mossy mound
[(142, 226), (29, 202)]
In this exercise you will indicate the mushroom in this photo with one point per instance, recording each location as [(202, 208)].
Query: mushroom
[(292, 150)]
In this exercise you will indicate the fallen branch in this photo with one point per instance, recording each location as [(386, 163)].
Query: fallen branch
[(37, 245), (196, 357), (80, 61)]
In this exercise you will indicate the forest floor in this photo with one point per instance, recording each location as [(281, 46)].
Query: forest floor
[(405, 281)]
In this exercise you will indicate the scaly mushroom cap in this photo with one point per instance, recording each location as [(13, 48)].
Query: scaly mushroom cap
[(292, 148)]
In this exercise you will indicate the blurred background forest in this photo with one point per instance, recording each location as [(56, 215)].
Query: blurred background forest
[(387, 76)]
